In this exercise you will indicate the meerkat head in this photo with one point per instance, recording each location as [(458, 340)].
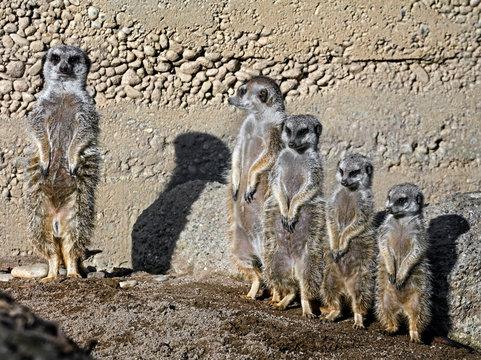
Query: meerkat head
[(301, 132), (404, 199), (257, 95), (355, 171), (65, 63)]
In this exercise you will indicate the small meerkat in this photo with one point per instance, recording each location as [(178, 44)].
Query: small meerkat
[(349, 250), (294, 216), (404, 277), (63, 170), (257, 146)]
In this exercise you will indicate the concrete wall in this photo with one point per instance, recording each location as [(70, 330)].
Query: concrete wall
[(398, 81)]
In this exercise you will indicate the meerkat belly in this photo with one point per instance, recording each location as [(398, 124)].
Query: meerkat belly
[(400, 241), (347, 205)]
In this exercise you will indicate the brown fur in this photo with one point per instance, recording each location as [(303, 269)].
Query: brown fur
[(349, 251), (403, 279), (257, 146), (63, 173), (294, 221)]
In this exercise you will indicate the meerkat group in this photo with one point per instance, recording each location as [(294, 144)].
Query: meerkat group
[(285, 234), (289, 238)]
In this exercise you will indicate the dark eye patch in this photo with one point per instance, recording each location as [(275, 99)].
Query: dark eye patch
[(354, 173), (303, 131), (242, 91), (54, 58), (72, 60), (401, 201), (341, 172), (288, 131)]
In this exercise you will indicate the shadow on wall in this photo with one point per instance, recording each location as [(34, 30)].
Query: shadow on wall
[(443, 232), (200, 158)]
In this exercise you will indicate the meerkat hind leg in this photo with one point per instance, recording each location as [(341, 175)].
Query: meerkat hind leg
[(69, 257), (284, 303), (53, 265), (412, 311), (255, 286), (276, 296)]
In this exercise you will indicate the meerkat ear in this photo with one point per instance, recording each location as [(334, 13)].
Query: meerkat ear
[(419, 199), (88, 63), (263, 95), (318, 129), (369, 169)]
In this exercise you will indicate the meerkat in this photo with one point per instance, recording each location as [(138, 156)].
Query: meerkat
[(257, 146), (294, 216), (403, 281), (349, 252), (63, 169)]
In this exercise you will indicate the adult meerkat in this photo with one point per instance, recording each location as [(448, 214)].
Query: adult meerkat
[(294, 216), (349, 251), (257, 146), (63, 170), (403, 281)]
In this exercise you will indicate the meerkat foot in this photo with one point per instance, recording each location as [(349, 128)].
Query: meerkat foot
[(414, 337), (48, 279), (275, 297), (74, 275), (333, 315), (391, 330), (308, 315), (358, 322)]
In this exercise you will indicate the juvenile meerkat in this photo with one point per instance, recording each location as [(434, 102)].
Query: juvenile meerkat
[(403, 280), (349, 250), (294, 216), (257, 146), (63, 170)]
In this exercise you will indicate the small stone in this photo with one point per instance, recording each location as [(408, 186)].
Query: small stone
[(15, 69), (37, 46), (96, 275), (190, 54), (161, 278), (420, 73), (6, 277), (233, 65), (30, 271), (10, 28), (355, 68), (292, 74), (93, 12), (132, 93), (5, 86), (131, 78), (36, 68), (149, 50), (324, 80), (190, 68), (172, 55), (163, 41), (62, 271), (20, 85), (213, 56), (127, 284), (288, 85)]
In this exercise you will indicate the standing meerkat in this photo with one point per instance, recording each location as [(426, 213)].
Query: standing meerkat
[(63, 170), (349, 251), (257, 146), (294, 216), (403, 281)]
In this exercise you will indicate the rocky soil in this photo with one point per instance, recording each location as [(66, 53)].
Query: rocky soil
[(184, 318)]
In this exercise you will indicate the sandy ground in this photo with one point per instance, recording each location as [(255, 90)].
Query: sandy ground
[(184, 318)]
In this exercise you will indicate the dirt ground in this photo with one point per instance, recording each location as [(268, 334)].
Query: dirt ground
[(184, 318)]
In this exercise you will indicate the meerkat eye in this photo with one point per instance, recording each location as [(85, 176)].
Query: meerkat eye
[(242, 91), (401, 201), (302, 131), (354, 173), (341, 172), (55, 58), (72, 60), (288, 131)]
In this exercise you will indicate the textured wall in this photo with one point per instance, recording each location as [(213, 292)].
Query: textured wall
[(399, 81)]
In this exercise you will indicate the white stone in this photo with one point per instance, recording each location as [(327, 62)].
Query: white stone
[(161, 278), (6, 277), (93, 12), (132, 93), (5, 86), (131, 78), (30, 271), (127, 284)]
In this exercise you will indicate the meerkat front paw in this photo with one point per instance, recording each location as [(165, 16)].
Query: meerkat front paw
[(337, 255), (392, 278), (44, 169), (235, 191), (249, 195)]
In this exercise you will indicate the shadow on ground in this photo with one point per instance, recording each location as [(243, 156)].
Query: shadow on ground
[(200, 158)]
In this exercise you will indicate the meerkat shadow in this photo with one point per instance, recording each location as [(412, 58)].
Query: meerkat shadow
[(200, 158), (443, 231)]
